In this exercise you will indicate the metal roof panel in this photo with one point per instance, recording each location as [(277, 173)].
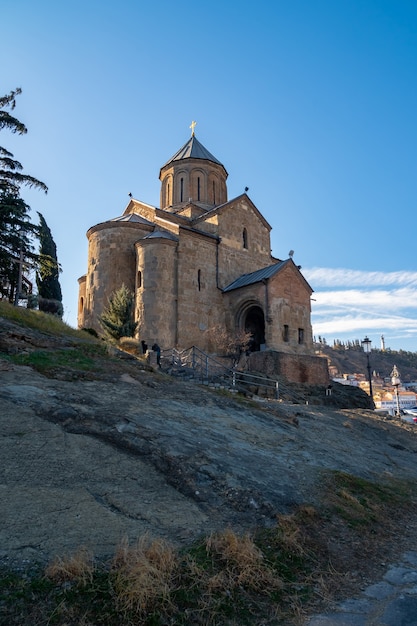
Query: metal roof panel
[(255, 277)]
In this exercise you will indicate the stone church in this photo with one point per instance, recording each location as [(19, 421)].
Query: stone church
[(197, 262)]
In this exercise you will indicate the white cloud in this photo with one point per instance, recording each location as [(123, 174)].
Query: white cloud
[(393, 300), (328, 277), (347, 304)]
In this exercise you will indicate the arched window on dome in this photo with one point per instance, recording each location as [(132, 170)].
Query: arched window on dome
[(182, 190), (199, 280), (139, 280)]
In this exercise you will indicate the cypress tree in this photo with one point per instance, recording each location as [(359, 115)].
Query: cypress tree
[(47, 276)]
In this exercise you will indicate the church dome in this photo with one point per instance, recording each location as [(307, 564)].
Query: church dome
[(193, 149), (192, 175)]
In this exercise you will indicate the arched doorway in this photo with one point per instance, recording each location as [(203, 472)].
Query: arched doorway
[(254, 323)]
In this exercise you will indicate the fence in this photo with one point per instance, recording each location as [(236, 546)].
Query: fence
[(195, 364)]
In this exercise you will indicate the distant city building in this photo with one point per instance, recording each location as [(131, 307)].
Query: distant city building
[(388, 401), (382, 343)]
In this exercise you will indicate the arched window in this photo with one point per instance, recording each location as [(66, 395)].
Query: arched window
[(139, 280), (198, 188), (199, 280), (214, 192), (245, 238), (81, 304), (182, 190)]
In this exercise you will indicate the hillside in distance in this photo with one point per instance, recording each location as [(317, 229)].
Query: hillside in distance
[(353, 361)]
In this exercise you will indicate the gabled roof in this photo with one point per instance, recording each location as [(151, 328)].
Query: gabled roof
[(262, 274), (193, 149), (229, 203)]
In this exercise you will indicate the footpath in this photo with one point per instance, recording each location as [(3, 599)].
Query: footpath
[(390, 602)]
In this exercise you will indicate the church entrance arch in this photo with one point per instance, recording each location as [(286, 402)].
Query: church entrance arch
[(252, 320)]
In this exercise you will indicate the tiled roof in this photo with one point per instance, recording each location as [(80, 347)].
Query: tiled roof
[(255, 277)]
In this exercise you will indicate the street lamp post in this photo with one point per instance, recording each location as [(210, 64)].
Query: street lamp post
[(366, 345), (396, 382)]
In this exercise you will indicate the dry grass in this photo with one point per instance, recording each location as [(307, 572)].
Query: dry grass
[(242, 563), (130, 345), (290, 534), (143, 575), (280, 576), (44, 322), (79, 568)]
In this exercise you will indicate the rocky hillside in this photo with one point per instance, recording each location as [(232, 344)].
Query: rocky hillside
[(96, 447)]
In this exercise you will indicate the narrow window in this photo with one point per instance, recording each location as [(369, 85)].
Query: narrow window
[(182, 190), (214, 193), (198, 188), (199, 280), (301, 335), (286, 333), (139, 281), (81, 305), (245, 238), (168, 203)]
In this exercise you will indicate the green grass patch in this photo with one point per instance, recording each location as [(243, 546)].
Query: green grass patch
[(38, 320), (49, 362), (363, 503)]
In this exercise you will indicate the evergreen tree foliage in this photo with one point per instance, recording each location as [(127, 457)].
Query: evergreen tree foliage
[(16, 244), (117, 319), (47, 276), (11, 176), (16, 229)]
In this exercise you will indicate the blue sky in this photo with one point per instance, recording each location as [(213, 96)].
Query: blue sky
[(310, 103)]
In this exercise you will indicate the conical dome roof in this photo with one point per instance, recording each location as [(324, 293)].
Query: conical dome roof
[(193, 149), (194, 175)]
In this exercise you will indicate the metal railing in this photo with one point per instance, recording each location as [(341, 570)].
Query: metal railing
[(195, 364)]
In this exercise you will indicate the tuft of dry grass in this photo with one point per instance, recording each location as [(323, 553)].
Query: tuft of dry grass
[(243, 563), (130, 345), (79, 568), (289, 531), (143, 575)]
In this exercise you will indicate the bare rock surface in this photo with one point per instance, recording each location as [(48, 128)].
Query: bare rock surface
[(91, 461)]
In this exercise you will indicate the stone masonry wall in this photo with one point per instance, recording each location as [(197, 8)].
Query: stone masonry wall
[(200, 302), (289, 304), (111, 263), (295, 368), (156, 291), (234, 258)]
